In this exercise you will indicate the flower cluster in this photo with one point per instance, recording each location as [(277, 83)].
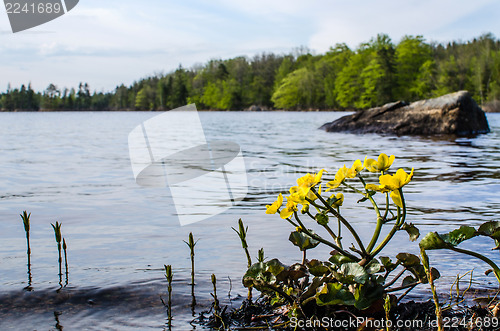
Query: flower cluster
[(303, 194)]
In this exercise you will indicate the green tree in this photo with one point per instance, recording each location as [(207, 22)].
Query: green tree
[(413, 63), (298, 90)]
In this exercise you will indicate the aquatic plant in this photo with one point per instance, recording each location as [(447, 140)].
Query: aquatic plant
[(214, 295), (355, 276), (242, 234), (169, 275), (65, 249), (191, 243), (26, 222), (57, 233)]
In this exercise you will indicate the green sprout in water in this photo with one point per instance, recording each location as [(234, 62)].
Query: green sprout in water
[(57, 233), (242, 233), (191, 243), (65, 249), (26, 222), (214, 295), (169, 275)]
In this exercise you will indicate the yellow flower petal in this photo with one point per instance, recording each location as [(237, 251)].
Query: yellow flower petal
[(340, 176), (289, 209), (396, 197), (355, 169), (273, 208)]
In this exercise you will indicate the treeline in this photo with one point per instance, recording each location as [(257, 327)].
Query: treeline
[(377, 72)]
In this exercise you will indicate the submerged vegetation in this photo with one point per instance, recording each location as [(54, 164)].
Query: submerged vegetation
[(376, 72)]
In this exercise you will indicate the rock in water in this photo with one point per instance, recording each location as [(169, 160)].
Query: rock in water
[(456, 113)]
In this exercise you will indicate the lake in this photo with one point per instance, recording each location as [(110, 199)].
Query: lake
[(74, 168)]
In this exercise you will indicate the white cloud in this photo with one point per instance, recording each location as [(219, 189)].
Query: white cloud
[(109, 42), (357, 21)]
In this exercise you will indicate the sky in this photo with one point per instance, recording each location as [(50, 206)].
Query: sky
[(113, 42)]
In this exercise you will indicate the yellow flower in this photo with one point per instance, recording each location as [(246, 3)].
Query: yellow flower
[(310, 180), (297, 195), (273, 208), (382, 164), (340, 176), (392, 183), (396, 181), (355, 169), (339, 199), (291, 207)]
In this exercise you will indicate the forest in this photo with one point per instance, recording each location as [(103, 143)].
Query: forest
[(376, 72)]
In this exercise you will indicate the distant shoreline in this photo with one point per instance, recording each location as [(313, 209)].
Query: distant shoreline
[(158, 110)]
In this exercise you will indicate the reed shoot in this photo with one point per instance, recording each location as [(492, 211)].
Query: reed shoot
[(191, 243), (57, 233), (26, 222), (169, 275)]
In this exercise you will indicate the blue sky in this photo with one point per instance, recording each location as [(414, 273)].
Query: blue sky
[(106, 43)]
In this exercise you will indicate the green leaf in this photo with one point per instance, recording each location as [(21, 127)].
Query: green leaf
[(387, 263), (334, 294), (311, 289), (373, 267), (294, 272), (322, 219), (492, 230), (409, 280), (263, 273), (433, 241), (274, 266), (302, 240), (408, 260), (257, 276), (459, 235), (317, 268), (338, 259), (412, 231), (366, 295), (351, 273), (413, 264)]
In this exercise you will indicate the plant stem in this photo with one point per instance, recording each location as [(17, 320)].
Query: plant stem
[(216, 301), (495, 268), (386, 205), (387, 238), (65, 259), (26, 222), (399, 222), (169, 275), (191, 244), (326, 242), (403, 287), (439, 315), (395, 279), (343, 220)]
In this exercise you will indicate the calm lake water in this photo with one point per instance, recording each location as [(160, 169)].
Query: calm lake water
[(74, 168)]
